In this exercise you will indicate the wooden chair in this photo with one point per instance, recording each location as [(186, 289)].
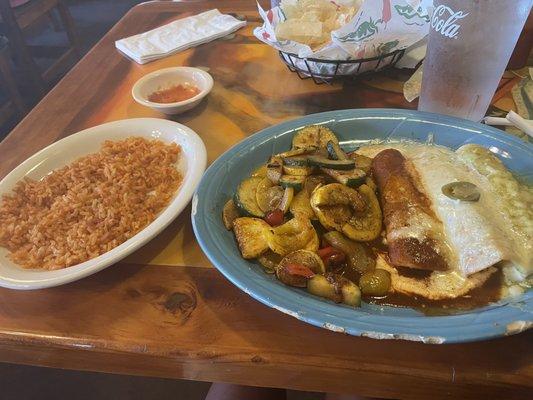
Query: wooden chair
[(19, 19), (15, 104)]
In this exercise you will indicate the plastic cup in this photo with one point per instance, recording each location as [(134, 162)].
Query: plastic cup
[(469, 45)]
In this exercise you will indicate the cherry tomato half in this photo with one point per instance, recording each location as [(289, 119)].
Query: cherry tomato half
[(274, 217), (299, 269)]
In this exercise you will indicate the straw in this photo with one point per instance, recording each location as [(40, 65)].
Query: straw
[(521, 123), (497, 121), (512, 119)]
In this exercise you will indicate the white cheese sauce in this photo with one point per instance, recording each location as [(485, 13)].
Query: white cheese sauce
[(475, 232)]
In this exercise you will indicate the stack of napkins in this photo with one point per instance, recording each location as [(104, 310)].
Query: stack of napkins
[(178, 35)]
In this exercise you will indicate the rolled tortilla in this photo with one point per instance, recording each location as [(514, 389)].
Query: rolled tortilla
[(414, 233)]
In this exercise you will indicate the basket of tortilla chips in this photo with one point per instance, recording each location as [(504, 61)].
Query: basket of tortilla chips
[(338, 40)]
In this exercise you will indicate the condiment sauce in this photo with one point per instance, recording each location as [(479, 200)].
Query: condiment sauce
[(482, 296), (174, 94)]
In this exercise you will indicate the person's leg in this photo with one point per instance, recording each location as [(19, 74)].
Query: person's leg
[(226, 391)]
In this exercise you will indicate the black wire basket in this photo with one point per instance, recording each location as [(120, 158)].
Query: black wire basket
[(329, 71)]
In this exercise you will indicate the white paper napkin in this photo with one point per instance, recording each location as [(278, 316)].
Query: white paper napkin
[(178, 35)]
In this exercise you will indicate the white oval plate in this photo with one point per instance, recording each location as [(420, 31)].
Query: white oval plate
[(63, 152)]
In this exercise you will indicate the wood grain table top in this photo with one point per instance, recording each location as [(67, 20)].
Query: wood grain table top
[(165, 311)]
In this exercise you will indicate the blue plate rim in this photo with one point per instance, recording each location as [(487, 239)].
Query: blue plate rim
[(436, 329)]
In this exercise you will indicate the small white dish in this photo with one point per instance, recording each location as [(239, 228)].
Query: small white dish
[(63, 152), (167, 77)]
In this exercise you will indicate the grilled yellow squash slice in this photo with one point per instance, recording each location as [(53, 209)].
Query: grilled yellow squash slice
[(296, 234), (365, 225), (301, 205), (260, 172), (334, 205), (251, 234)]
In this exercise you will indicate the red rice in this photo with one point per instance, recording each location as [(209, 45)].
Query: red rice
[(91, 206)]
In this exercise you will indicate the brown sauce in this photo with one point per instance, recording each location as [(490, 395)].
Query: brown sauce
[(482, 296), (377, 246), (348, 273), (414, 273), (174, 94)]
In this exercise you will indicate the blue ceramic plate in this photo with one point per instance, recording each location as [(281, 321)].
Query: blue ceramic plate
[(355, 127)]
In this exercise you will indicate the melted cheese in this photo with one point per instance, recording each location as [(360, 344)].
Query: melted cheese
[(475, 233), (513, 200)]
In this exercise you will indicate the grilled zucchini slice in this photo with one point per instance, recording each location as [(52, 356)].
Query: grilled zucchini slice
[(268, 195), (335, 152), (294, 181), (296, 152), (313, 136), (323, 162), (306, 258), (353, 178), (365, 225), (298, 171), (361, 161), (269, 261), (251, 235), (245, 198), (296, 234), (296, 161), (229, 214)]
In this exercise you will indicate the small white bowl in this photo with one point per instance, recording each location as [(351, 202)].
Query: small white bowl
[(167, 77)]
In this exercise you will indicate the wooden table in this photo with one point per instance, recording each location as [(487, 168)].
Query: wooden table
[(165, 311)]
